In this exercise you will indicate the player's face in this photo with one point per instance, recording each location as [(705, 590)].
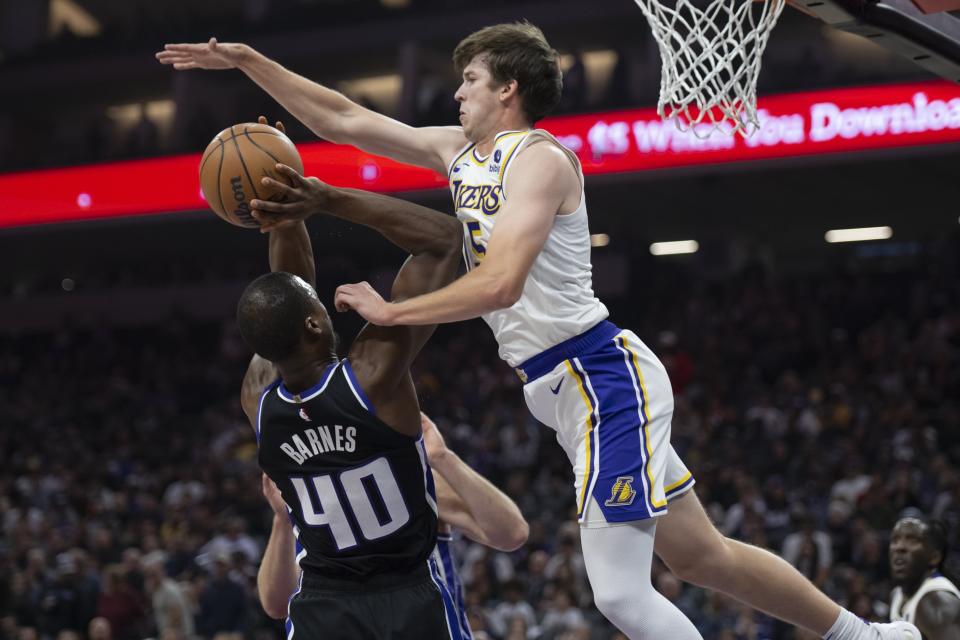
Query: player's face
[(909, 555), (478, 98)]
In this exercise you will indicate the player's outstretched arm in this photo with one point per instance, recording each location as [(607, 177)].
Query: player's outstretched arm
[(278, 574), (413, 228), (326, 112), (468, 501)]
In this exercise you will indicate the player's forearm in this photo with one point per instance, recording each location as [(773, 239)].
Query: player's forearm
[(278, 574), (493, 511), (413, 228), (291, 251), (316, 106), (476, 293)]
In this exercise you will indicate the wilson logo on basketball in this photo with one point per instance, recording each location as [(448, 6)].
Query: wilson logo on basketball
[(243, 209)]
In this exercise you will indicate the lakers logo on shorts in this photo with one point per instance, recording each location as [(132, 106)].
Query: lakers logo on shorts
[(622, 493)]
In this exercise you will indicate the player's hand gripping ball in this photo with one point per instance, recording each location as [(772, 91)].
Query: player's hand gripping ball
[(235, 163)]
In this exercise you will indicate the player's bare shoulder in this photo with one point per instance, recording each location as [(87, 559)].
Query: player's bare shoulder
[(447, 142), (544, 160)]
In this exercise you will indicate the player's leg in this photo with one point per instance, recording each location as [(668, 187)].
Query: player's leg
[(696, 552), (618, 560)]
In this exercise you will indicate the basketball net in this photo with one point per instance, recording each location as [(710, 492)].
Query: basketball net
[(711, 61)]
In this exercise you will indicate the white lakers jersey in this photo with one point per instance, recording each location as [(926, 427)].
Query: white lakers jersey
[(901, 609), (557, 302)]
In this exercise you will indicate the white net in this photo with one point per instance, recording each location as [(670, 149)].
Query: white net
[(711, 60)]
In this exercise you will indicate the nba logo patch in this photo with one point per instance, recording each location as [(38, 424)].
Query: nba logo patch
[(622, 492), (304, 416), (497, 155)]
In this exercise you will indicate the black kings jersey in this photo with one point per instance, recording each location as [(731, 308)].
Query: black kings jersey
[(359, 493)]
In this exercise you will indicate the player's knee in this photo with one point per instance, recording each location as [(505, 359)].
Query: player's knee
[(615, 603)]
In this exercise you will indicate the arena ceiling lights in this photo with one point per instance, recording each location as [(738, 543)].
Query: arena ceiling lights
[(813, 124), (861, 234), (674, 247)]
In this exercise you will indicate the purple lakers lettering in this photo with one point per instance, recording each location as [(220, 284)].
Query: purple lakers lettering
[(485, 198)]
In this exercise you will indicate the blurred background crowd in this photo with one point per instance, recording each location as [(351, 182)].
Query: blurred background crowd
[(817, 385), (812, 409)]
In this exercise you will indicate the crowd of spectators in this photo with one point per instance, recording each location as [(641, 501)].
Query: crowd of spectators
[(812, 410)]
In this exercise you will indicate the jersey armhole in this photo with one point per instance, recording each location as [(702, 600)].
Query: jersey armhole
[(539, 135), (357, 390), (263, 396), (457, 157)]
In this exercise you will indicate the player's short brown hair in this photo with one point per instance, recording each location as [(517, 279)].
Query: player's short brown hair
[(517, 51)]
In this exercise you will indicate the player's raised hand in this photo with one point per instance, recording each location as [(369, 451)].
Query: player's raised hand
[(279, 125), (432, 440), (204, 55), (272, 494), (297, 199), (365, 300)]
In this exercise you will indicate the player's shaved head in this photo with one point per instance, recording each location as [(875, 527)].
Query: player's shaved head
[(273, 314)]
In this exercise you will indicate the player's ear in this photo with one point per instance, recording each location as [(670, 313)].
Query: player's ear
[(313, 326), (508, 89)]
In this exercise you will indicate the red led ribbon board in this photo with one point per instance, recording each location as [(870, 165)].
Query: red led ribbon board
[(794, 125)]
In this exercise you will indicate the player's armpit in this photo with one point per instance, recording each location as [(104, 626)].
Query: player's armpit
[(260, 373), (938, 616)]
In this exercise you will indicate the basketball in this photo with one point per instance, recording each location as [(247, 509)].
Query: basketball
[(234, 163)]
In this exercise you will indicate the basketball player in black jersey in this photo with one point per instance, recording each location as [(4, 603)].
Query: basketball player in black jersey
[(342, 438)]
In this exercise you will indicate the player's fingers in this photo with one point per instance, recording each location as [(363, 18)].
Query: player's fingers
[(283, 189), (280, 126), (183, 66), (291, 173), (169, 58), (212, 43), (183, 47), (262, 119), (339, 300)]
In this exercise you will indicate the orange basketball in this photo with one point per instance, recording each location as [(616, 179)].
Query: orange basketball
[(234, 163)]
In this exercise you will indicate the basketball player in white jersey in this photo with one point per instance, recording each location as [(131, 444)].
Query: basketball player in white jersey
[(923, 595), (520, 196), (466, 501)]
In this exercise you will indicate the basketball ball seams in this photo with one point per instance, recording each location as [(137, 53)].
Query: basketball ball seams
[(223, 153), (246, 132), (272, 157), (237, 163), (243, 164), (207, 157)]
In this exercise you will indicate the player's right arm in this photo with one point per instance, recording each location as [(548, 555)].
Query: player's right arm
[(326, 112), (938, 616), (289, 250), (279, 574), (469, 502)]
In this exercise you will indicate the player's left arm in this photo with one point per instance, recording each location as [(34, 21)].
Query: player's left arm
[(279, 573), (289, 250), (938, 616), (539, 182), (469, 502)]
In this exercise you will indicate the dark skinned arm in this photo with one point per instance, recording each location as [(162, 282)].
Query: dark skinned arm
[(938, 616), (289, 250), (380, 356)]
